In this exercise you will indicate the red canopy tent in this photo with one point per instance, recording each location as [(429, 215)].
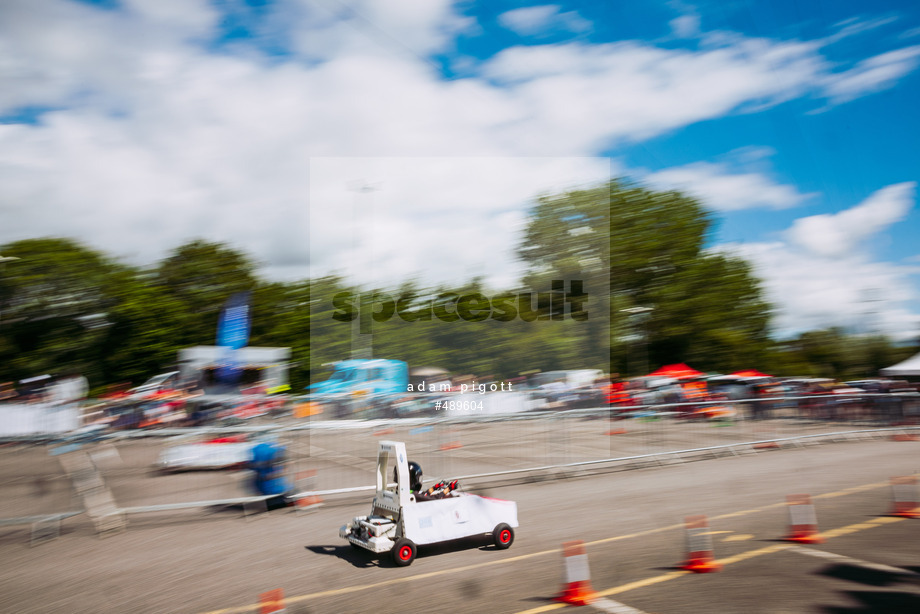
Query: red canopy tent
[(750, 373), (677, 371)]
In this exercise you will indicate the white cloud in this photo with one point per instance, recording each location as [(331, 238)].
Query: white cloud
[(685, 26), (818, 277), (536, 20), (633, 91), (60, 53), (157, 138), (838, 234), (814, 292), (195, 17), (529, 20), (575, 23), (717, 186), (873, 74), (433, 219), (853, 26), (320, 31)]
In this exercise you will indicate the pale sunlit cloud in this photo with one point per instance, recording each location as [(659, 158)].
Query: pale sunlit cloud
[(536, 20), (722, 189), (823, 274), (837, 234)]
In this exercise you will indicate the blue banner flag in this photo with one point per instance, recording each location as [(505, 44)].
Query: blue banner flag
[(232, 334), (233, 326)]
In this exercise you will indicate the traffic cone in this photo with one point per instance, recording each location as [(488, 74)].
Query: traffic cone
[(803, 523), (272, 602), (451, 445), (699, 546), (618, 431), (387, 431), (904, 495), (577, 589), (905, 437), (305, 481)]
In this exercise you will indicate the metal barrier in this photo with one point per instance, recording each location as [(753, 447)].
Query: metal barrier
[(835, 436), (44, 527), (341, 454)]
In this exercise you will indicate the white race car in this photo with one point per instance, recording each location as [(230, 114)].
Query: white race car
[(218, 453), (399, 524)]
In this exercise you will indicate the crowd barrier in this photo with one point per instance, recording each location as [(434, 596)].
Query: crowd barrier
[(339, 454)]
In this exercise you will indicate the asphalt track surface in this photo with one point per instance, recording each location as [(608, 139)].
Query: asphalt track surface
[(201, 561)]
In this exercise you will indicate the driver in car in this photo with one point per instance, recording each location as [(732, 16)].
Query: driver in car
[(440, 490)]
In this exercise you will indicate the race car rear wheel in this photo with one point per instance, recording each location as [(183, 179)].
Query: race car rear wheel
[(404, 552), (503, 536)]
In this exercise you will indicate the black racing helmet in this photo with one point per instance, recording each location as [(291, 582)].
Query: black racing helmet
[(415, 476)]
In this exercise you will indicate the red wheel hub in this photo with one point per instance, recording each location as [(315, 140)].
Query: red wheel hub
[(405, 553), (505, 536)]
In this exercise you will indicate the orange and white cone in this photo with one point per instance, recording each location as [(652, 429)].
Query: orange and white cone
[(272, 602), (700, 558), (803, 523), (577, 589), (906, 502), (305, 481)]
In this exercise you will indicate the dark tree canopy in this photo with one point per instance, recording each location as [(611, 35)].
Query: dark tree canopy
[(705, 308)]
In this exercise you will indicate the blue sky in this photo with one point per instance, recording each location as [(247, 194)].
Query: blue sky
[(134, 125)]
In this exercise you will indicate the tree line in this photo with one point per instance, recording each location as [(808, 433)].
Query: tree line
[(655, 295)]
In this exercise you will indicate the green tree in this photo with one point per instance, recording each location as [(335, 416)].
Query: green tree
[(281, 318), (143, 337), (201, 276), (833, 353), (706, 308), (712, 314), (56, 301)]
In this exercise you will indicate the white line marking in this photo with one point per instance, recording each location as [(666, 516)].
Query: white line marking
[(614, 607), (821, 554)]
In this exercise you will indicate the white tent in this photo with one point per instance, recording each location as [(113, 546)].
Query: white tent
[(23, 419), (911, 366)]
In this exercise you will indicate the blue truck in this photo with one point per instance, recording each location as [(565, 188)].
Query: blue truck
[(368, 376)]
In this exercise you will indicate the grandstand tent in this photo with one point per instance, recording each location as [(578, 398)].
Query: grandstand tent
[(677, 371), (911, 366), (750, 373)]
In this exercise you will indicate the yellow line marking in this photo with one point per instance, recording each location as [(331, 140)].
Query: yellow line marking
[(853, 528), (752, 553), (361, 587), (642, 583), (616, 538), (735, 514), (662, 578), (633, 585), (738, 538), (716, 532), (886, 519), (851, 490)]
